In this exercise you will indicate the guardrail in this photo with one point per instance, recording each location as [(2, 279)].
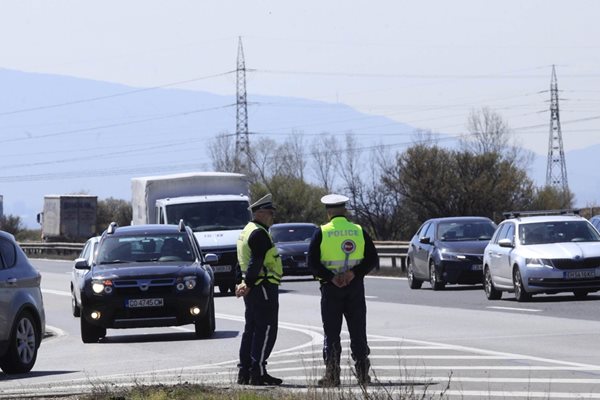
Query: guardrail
[(63, 250), (394, 251)]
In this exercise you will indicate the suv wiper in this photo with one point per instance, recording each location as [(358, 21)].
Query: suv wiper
[(147, 260), (114, 262)]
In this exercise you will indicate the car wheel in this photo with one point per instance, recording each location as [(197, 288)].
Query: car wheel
[(580, 293), (75, 310), (520, 293), (22, 345), (91, 333), (490, 290), (413, 282), (205, 326), (434, 278)]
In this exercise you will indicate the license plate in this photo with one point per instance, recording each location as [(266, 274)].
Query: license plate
[(477, 267), (139, 303), (221, 268), (301, 264), (580, 274)]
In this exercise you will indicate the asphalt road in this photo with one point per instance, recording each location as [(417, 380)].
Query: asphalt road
[(454, 342)]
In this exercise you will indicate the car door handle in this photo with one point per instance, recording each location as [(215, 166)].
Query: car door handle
[(11, 281)]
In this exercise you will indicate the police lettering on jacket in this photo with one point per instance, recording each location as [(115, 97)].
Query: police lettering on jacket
[(342, 233)]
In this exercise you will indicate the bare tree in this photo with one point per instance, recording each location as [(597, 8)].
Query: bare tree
[(323, 152), (222, 152), (289, 157), (488, 132)]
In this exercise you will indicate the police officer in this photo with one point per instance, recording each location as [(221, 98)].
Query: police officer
[(341, 253), (261, 269)]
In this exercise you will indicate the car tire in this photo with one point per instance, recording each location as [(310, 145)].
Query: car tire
[(434, 278), (488, 285), (91, 333), (205, 326), (520, 292), (75, 310), (23, 345), (413, 282)]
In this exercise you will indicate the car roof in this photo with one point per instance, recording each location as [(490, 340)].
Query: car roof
[(459, 219), (293, 225), (546, 218), (145, 229)]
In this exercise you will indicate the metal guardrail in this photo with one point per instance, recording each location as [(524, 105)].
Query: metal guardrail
[(395, 251), (64, 250)]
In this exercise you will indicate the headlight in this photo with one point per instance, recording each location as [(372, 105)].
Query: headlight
[(448, 256), (187, 282), (539, 262), (102, 286)]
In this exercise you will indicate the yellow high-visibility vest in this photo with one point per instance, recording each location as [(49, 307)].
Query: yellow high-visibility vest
[(273, 269), (342, 245)]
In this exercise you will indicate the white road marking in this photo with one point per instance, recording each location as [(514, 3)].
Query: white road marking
[(515, 309)]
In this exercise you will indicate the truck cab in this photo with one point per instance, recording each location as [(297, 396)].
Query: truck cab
[(217, 221)]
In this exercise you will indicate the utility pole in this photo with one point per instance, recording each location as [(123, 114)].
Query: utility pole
[(242, 141), (556, 172)]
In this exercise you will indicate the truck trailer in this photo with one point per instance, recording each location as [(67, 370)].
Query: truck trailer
[(68, 218), (213, 204)]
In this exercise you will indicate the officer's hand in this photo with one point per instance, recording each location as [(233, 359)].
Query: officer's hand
[(348, 275), (241, 290), (339, 280)]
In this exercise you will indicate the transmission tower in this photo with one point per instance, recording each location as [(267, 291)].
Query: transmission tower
[(242, 142), (556, 172)]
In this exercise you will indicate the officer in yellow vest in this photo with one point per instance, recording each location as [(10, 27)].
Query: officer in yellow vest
[(261, 270), (341, 253)]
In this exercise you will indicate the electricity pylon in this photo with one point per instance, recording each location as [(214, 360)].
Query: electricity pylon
[(242, 142), (556, 172)]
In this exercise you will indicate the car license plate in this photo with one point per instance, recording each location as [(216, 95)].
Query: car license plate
[(301, 264), (139, 303), (221, 268), (580, 274), (477, 267)]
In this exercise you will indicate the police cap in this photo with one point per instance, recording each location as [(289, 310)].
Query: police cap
[(334, 200), (264, 203)]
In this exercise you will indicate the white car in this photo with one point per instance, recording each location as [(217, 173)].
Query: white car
[(77, 275), (531, 253)]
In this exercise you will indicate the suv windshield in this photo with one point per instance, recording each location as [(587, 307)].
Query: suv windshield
[(126, 249), (292, 234), (557, 232), (465, 231), (211, 216)]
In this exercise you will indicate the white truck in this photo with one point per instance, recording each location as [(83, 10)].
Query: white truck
[(214, 204), (68, 218)]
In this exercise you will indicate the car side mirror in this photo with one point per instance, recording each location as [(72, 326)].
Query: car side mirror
[(81, 263), (505, 243), (425, 239), (211, 258)]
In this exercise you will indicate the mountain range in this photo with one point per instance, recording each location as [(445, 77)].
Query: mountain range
[(62, 135)]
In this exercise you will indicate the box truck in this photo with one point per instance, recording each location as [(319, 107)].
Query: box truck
[(68, 218), (214, 204)]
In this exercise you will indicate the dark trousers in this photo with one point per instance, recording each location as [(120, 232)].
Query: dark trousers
[(260, 330), (347, 302)]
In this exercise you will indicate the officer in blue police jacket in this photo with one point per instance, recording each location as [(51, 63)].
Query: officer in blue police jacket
[(261, 268), (341, 253)]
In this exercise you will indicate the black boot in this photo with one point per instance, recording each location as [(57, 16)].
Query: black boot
[(243, 377), (265, 380), (362, 371), (331, 377)]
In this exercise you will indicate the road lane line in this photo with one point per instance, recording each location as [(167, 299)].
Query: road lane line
[(515, 309)]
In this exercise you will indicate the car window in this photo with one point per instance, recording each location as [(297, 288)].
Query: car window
[(8, 253), (499, 232), (121, 249), (557, 232), (292, 233), (510, 232), (465, 230), (86, 250), (427, 231)]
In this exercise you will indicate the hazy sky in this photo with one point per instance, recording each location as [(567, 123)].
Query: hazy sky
[(425, 63)]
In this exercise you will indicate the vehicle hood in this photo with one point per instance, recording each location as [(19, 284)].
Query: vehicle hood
[(217, 239), (292, 247), (465, 247), (137, 270), (562, 250)]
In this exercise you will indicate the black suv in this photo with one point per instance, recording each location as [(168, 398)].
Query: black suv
[(147, 276)]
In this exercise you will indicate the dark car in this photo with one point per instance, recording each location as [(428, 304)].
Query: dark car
[(22, 317), (147, 276), (448, 250), (292, 240)]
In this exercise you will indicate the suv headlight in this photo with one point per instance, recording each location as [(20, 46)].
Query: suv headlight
[(104, 286), (539, 262), (187, 282)]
